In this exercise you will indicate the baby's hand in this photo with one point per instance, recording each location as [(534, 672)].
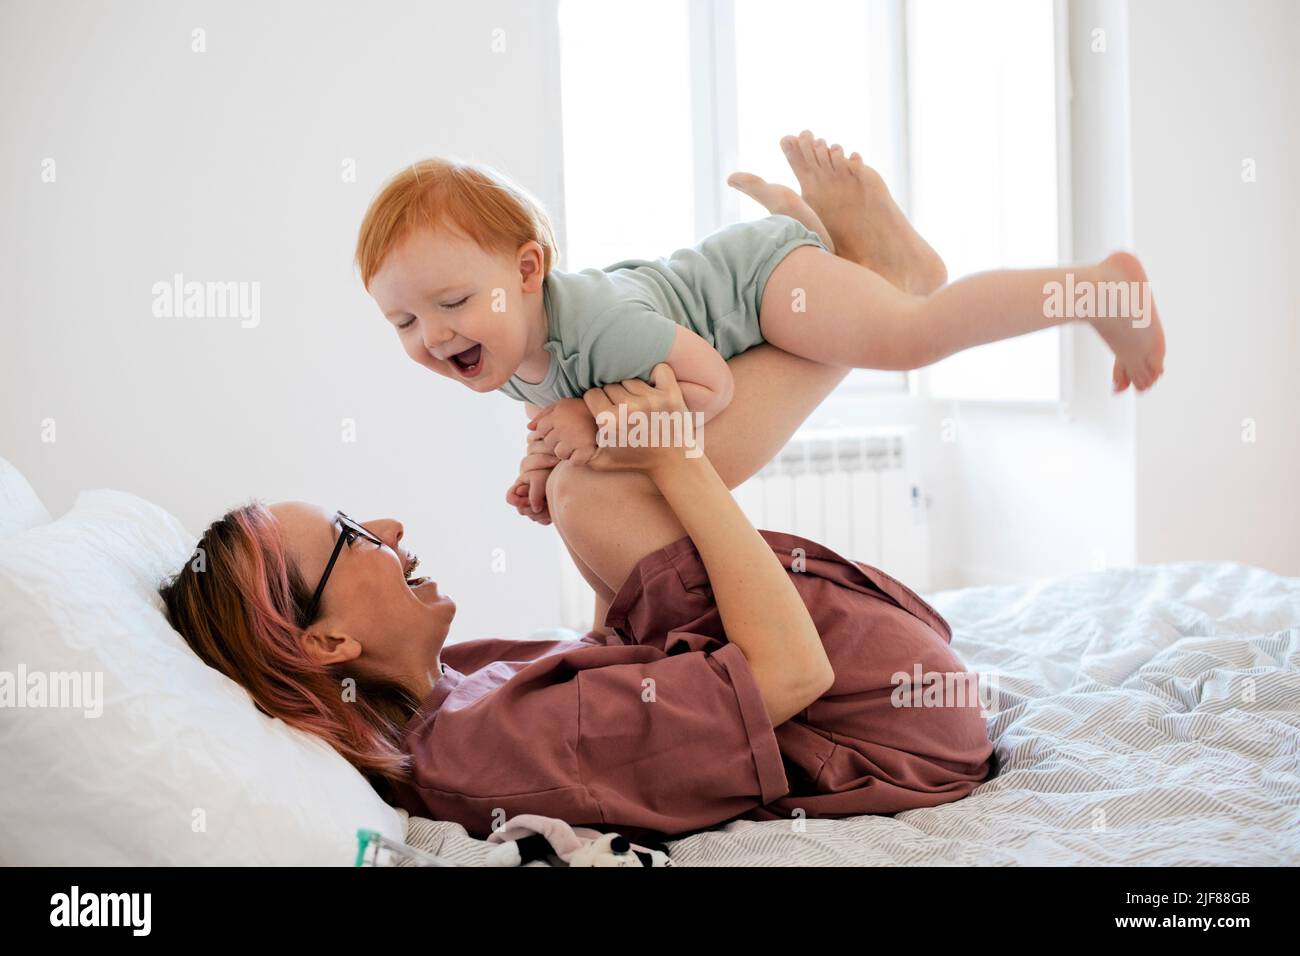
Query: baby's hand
[(527, 494), (567, 430)]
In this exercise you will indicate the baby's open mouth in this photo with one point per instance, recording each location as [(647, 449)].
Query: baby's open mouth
[(470, 361)]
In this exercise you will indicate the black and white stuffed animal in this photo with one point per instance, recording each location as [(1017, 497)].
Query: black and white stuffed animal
[(529, 837)]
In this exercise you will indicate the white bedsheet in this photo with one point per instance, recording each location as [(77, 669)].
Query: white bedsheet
[(1146, 716)]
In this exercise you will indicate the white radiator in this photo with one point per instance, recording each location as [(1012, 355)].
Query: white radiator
[(857, 491)]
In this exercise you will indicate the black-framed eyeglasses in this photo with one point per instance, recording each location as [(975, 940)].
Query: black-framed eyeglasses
[(349, 531)]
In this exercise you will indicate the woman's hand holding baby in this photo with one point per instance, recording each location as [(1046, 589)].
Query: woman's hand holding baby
[(656, 417), (568, 430)]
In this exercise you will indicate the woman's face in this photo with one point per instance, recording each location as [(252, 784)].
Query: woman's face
[(368, 613)]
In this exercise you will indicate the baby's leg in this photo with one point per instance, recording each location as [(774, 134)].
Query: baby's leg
[(846, 202), (781, 200), (831, 310), (840, 188)]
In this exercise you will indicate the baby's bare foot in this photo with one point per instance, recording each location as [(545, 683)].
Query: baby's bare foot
[(1135, 336), (861, 216), (781, 200)]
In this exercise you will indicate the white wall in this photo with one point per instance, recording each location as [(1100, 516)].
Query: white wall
[(1214, 84), (226, 166)]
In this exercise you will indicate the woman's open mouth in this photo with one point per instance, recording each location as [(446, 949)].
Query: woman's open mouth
[(421, 584), (413, 582), (469, 362)]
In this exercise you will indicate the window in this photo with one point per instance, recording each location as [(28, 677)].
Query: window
[(954, 102), (833, 68), (982, 97), (628, 146)]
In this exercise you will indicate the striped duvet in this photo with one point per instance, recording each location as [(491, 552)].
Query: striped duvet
[(1146, 716)]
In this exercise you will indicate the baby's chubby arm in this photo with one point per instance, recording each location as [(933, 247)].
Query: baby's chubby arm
[(629, 339), (702, 374)]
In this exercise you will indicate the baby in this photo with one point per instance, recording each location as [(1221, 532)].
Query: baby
[(462, 263)]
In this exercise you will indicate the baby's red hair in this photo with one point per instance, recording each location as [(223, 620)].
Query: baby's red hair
[(477, 200)]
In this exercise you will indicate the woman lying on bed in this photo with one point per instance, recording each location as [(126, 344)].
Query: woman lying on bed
[(745, 674)]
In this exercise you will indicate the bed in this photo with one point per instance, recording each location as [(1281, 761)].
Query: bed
[(1142, 717)]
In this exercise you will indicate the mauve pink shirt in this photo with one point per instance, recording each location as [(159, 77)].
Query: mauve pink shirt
[(660, 727)]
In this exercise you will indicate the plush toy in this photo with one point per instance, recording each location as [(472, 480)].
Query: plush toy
[(529, 837)]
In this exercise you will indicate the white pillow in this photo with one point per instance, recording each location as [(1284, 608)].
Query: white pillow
[(180, 767), (20, 507)]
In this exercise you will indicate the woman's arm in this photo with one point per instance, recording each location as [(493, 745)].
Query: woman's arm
[(611, 524), (760, 609)]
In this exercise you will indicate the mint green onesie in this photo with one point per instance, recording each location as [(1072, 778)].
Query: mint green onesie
[(619, 322)]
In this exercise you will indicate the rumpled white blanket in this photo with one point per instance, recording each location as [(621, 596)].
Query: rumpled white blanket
[(1146, 716)]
